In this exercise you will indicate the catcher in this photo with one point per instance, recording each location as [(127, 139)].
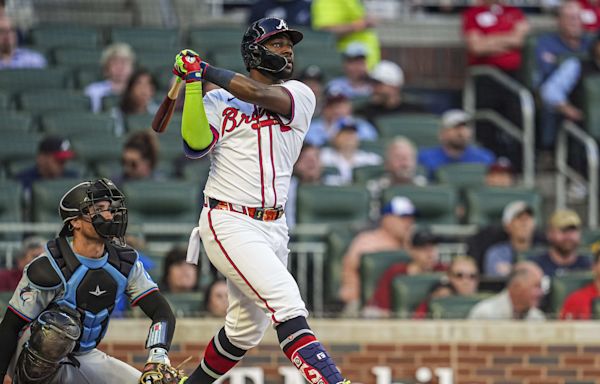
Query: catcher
[(60, 310)]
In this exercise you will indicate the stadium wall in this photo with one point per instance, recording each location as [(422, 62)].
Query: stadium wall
[(385, 352)]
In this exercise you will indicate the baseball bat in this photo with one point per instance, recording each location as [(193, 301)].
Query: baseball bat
[(165, 110)]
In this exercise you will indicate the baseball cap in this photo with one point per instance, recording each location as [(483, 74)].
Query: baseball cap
[(347, 123), (388, 73), (424, 237), (58, 147), (455, 117), (335, 94), (514, 209), (312, 72), (501, 165), (355, 50), (399, 206), (565, 218)]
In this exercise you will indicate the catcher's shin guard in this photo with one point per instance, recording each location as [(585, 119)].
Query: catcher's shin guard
[(300, 345)]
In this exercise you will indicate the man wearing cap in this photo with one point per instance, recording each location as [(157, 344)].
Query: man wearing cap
[(456, 136), (519, 223), (424, 253), (344, 153), (564, 236), (355, 82), (31, 248), (393, 233), (53, 154), (387, 78), (500, 174)]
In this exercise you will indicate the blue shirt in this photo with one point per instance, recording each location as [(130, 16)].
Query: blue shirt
[(562, 81), (549, 51), (342, 84), (433, 158), (122, 302), (24, 58), (552, 269), (320, 134), (30, 175)]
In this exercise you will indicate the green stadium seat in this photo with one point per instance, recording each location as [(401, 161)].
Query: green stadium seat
[(45, 196), (109, 102), (77, 57), (338, 241), (589, 236), (10, 201), (138, 122), (94, 149), (16, 145), (453, 307), (330, 61), (591, 86), (19, 80), (185, 304), (163, 76), (372, 267), (485, 205), (156, 59), (562, 286), (5, 100), (74, 124), (141, 38), (435, 204), (596, 308), (53, 100), (196, 170), (87, 75), (361, 175), (332, 204), (421, 129), (210, 39), (409, 291), (61, 35), (462, 175), (229, 59), (378, 147), (16, 121), (171, 201)]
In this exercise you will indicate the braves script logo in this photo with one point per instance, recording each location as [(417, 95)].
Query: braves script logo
[(233, 118)]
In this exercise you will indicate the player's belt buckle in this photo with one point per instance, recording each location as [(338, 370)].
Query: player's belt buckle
[(267, 214)]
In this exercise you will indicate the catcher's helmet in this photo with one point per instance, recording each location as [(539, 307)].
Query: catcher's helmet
[(257, 56), (77, 201)]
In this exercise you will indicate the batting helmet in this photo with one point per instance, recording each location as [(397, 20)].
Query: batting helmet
[(77, 201), (255, 55)]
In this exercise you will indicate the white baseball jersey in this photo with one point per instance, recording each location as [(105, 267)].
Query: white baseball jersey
[(255, 152)]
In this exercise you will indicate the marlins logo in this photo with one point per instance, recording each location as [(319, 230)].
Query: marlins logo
[(27, 294)]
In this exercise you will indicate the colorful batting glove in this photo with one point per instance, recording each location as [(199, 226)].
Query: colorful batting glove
[(189, 66)]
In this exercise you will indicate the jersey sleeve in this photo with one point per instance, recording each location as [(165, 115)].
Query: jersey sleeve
[(28, 301), (211, 107), (303, 105), (139, 283)]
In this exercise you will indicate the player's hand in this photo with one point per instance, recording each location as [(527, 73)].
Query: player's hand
[(189, 66), (159, 373)]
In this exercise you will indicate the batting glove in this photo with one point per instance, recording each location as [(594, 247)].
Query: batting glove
[(189, 66)]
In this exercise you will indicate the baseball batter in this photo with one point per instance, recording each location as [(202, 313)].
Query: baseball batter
[(62, 304), (253, 129)]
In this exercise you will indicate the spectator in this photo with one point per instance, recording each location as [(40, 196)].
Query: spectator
[(462, 280), (11, 56), (313, 77), (117, 62), (137, 99), (455, 144), (519, 301), (348, 20), (345, 154), (500, 174), (337, 106), (519, 222), (215, 298), (387, 78), (31, 248), (579, 304), (424, 253), (564, 237), (293, 12), (139, 158), (355, 82), (590, 15), (50, 163), (178, 276), (392, 233)]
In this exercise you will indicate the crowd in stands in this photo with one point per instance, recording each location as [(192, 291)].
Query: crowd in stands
[(519, 251)]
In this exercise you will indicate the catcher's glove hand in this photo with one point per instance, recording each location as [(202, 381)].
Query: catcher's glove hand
[(159, 373)]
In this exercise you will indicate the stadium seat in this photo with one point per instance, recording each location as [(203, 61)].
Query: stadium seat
[(332, 204), (596, 308), (109, 102), (210, 39), (196, 170), (153, 59), (435, 204), (87, 75), (185, 304), (141, 38), (372, 267), (61, 35), (409, 291), (329, 61), (421, 129), (10, 201), (77, 57), (589, 236), (485, 205), (94, 149), (17, 145), (19, 80), (45, 196), (361, 175), (462, 175), (53, 100), (591, 102), (74, 124), (5, 100), (338, 241), (378, 146), (453, 307), (562, 286), (16, 121), (229, 59), (138, 122)]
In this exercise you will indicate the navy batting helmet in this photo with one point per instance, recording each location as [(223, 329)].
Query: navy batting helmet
[(257, 56)]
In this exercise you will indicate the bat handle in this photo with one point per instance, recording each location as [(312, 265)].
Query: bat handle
[(174, 91)]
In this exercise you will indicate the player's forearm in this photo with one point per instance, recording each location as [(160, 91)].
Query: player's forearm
[(155, 306), (9, 331), (195, 129)]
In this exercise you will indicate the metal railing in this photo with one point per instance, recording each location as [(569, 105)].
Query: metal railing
[(565, 172), (526, 134)]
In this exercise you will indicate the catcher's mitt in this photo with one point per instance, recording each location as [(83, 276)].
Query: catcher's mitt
[(159, 373)]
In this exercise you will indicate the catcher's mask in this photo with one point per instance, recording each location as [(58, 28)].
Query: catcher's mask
[(256, 56), (78, 201)]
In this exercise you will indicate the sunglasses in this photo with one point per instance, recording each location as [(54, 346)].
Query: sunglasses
[(462, 275)]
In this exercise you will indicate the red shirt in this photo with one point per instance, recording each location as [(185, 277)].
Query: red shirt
[(489, 20), (590, 15), (578, 305)]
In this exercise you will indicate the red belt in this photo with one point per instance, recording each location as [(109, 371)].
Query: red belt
[(262, 214)]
